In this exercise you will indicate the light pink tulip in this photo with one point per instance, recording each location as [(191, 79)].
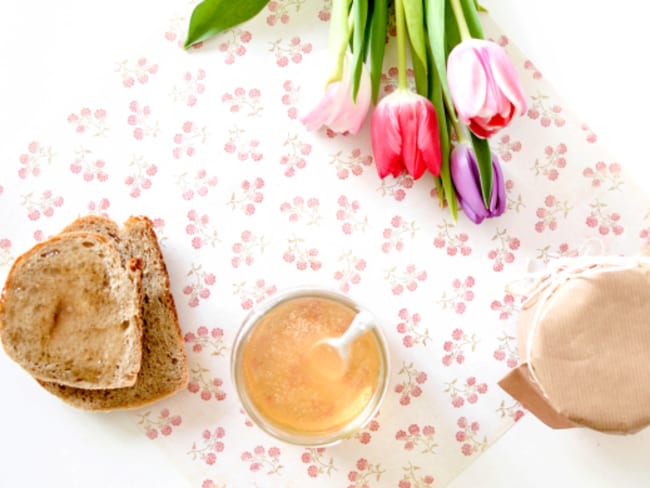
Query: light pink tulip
[(405, 135), (484, 86), (336, 108)]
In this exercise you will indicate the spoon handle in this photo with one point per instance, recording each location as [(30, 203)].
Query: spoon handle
[(361, 324)]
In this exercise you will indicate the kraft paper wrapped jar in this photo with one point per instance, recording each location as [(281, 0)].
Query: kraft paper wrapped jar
[(584, 342)]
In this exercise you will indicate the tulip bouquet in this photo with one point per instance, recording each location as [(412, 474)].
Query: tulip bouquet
[(466, 89)]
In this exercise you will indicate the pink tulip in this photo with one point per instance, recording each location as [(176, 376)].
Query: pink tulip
[(404, 130), (484, 86), (337, 109)]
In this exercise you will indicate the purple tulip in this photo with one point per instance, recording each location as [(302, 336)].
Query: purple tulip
[(465, 175)]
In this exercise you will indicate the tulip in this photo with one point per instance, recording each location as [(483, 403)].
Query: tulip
[(484, 86), (404, 130), (465, 175)]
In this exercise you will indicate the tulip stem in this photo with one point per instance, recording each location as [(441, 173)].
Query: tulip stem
[(400, 25), (460, 19), (339, 35)]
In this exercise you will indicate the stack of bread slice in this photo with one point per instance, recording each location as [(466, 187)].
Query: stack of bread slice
[(90, 315)]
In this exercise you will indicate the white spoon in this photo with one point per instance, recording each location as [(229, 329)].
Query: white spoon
[(340, 346)]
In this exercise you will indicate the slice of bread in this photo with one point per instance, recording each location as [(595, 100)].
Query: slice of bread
[(70, 313), (164, 360)]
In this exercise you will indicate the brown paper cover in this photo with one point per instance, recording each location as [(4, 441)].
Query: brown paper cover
[(589, 352)]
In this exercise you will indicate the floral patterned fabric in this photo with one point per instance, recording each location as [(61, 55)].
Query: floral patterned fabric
[(246, 202)]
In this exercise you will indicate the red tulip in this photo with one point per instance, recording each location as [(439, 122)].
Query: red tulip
[(484, 86), (404, 129)]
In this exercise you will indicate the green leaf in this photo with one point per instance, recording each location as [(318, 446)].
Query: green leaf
[(377, 43), (452, 32), (436, 29), (414, 15), (484, 163), (211, 17), (470, 10), (360, 15), (421, 75)]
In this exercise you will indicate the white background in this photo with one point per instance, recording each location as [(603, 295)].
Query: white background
[(593, 51)]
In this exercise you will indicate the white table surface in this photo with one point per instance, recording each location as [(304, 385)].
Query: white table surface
[(592, 51)]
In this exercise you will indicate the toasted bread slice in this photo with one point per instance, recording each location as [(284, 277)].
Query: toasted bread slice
[(164, 360), (71, 313)]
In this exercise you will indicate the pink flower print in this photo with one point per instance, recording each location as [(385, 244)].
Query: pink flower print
[(280, 9), (413, 332), (645, 232), (294, 157), (459, 296), (396, 187), (602, 174), (140, 176), (504, 252), (452, 243), (175, 31), (468, 437), (562, 251), (43, 204), (590, 136), (263, 458), (515, 203), (139, 71), (99, 207), (364, 473), (209, 447), (290, 98), (198, 286), (300, 209), (139, 119), (364, 436), (505, 148), (554, 162), (352, 164), (412, 477), (389, 79), (245, 249), (163, 424), (515, 411), (190, 89), (348, 214), (317, 462), (206, 387), (200, 230), (406, 279), (455, 349), (395, 235), (31, 161), (349, 270), (417, 437), (243, 148), (548, 214), (250, 195), (292, 50), (206, 339), (303, 258), (243, 101), (507, 350), (602, 220), (546, 113), (187, 139), (5, 252), (251, 293), (411, 385), (196, 183), (529, 66), (88, 167), (505, 307), (89, 120), (469, 391), (324, 13), (232, 44)]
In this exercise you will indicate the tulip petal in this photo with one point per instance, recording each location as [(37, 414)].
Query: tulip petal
[(464, 173), (506, 78), (321, 112), (429, 138), (386, 140), (467, 81), (409, 126)]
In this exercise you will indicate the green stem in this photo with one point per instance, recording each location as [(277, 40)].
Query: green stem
[(339, 35), (460, 19), (400, 24)]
